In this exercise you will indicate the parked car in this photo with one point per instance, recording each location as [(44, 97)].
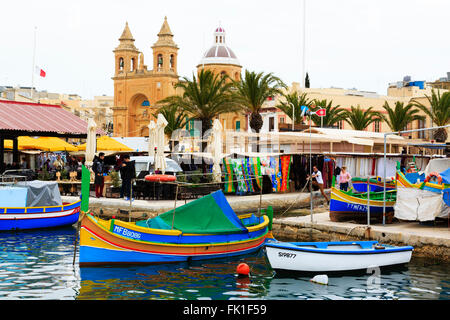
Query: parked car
[(27, 173)]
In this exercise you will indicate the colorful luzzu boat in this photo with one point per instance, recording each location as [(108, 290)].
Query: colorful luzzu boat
[(346, 205), (37, 216), (375, 184), (206, 228)]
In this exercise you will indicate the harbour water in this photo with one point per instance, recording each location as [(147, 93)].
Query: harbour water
[(39, 265)]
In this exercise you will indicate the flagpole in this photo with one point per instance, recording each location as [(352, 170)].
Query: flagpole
[(34, 64)]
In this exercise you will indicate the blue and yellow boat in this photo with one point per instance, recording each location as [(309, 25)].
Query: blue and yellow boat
[(375, 184), (347, 205), (206, 228), (35, 205)]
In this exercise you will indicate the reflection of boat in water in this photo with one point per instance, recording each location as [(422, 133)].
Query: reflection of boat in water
[(341, 256), (375, 184), (206, 228), (34, 205), (347, 205)]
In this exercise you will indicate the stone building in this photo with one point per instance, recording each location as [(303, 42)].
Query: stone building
[(136, 88)]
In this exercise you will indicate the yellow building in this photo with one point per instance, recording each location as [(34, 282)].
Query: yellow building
[(137, 89)]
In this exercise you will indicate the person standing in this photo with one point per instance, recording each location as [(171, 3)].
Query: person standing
[(98, 168), (127, 174), (318, 182), (344, 178)]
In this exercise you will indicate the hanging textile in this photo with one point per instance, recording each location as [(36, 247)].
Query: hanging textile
[(229, 185), (255, 166), (248, 174), (274, 166), (239, 174), (285, 162)]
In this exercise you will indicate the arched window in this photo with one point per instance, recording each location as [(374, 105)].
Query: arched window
[(223, 74), (160, 61), (172, 61), (132, 64), (236, 76), (120, 63)]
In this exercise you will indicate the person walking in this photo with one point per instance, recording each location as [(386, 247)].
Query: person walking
[(318, 182), (98, 167), (127, 174), (344, 178)]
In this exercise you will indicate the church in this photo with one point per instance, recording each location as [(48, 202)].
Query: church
[(137, 88)]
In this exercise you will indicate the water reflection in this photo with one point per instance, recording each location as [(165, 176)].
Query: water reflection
[(38, 265)]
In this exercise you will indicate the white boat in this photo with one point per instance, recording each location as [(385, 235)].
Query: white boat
[(339, 256)]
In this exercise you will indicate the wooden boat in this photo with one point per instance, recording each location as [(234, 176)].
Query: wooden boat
[(206, 228), (433, 182), (334, 256), (375, 184), (160, 177), (35, 209), (346, 205)]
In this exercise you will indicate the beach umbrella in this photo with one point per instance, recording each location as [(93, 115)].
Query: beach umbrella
[(91, 142), (216, 150), (54, 144), (151, 138), (105, 143), (160, 161)]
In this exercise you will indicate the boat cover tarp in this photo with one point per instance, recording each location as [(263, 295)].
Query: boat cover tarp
[(41, 193), (13, 197), (414, 204), (437, 165), (209, 214)]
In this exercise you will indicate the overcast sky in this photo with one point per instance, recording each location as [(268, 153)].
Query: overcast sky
[(361, 44)]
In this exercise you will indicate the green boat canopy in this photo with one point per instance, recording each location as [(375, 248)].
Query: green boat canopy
[(209, 214)]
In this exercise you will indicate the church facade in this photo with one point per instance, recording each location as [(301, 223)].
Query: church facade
[(137, 88)]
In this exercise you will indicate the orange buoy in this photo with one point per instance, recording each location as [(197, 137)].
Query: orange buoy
[(243, 269)]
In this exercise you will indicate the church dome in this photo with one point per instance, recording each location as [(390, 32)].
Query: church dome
[(219, 53)]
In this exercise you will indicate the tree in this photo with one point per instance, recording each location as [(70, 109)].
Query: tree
[(333, 114), (398, 118), (204, 98), (297, 101), (252, 91), (439, 112), (307, 80), (360, 119)]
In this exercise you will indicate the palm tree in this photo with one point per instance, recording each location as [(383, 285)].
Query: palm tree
[(204, 98), (439, 112), (252, 91), (176, 119), (293, 99), (360, 119), (398, 118), (333, 114)]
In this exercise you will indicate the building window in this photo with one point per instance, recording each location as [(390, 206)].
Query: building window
[(172, 61), (340, 124), (160, 61), (132, 67), (282, 120), (421, 125), (376, 126), (120, 63), (238, 125), (271, 123)]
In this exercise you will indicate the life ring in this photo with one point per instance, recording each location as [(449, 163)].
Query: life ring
[(434, 174), (160, 178)]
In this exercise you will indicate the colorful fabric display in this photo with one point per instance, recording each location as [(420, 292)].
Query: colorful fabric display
[(229, 177), (255, 165), (285, 162), (239, 174)]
